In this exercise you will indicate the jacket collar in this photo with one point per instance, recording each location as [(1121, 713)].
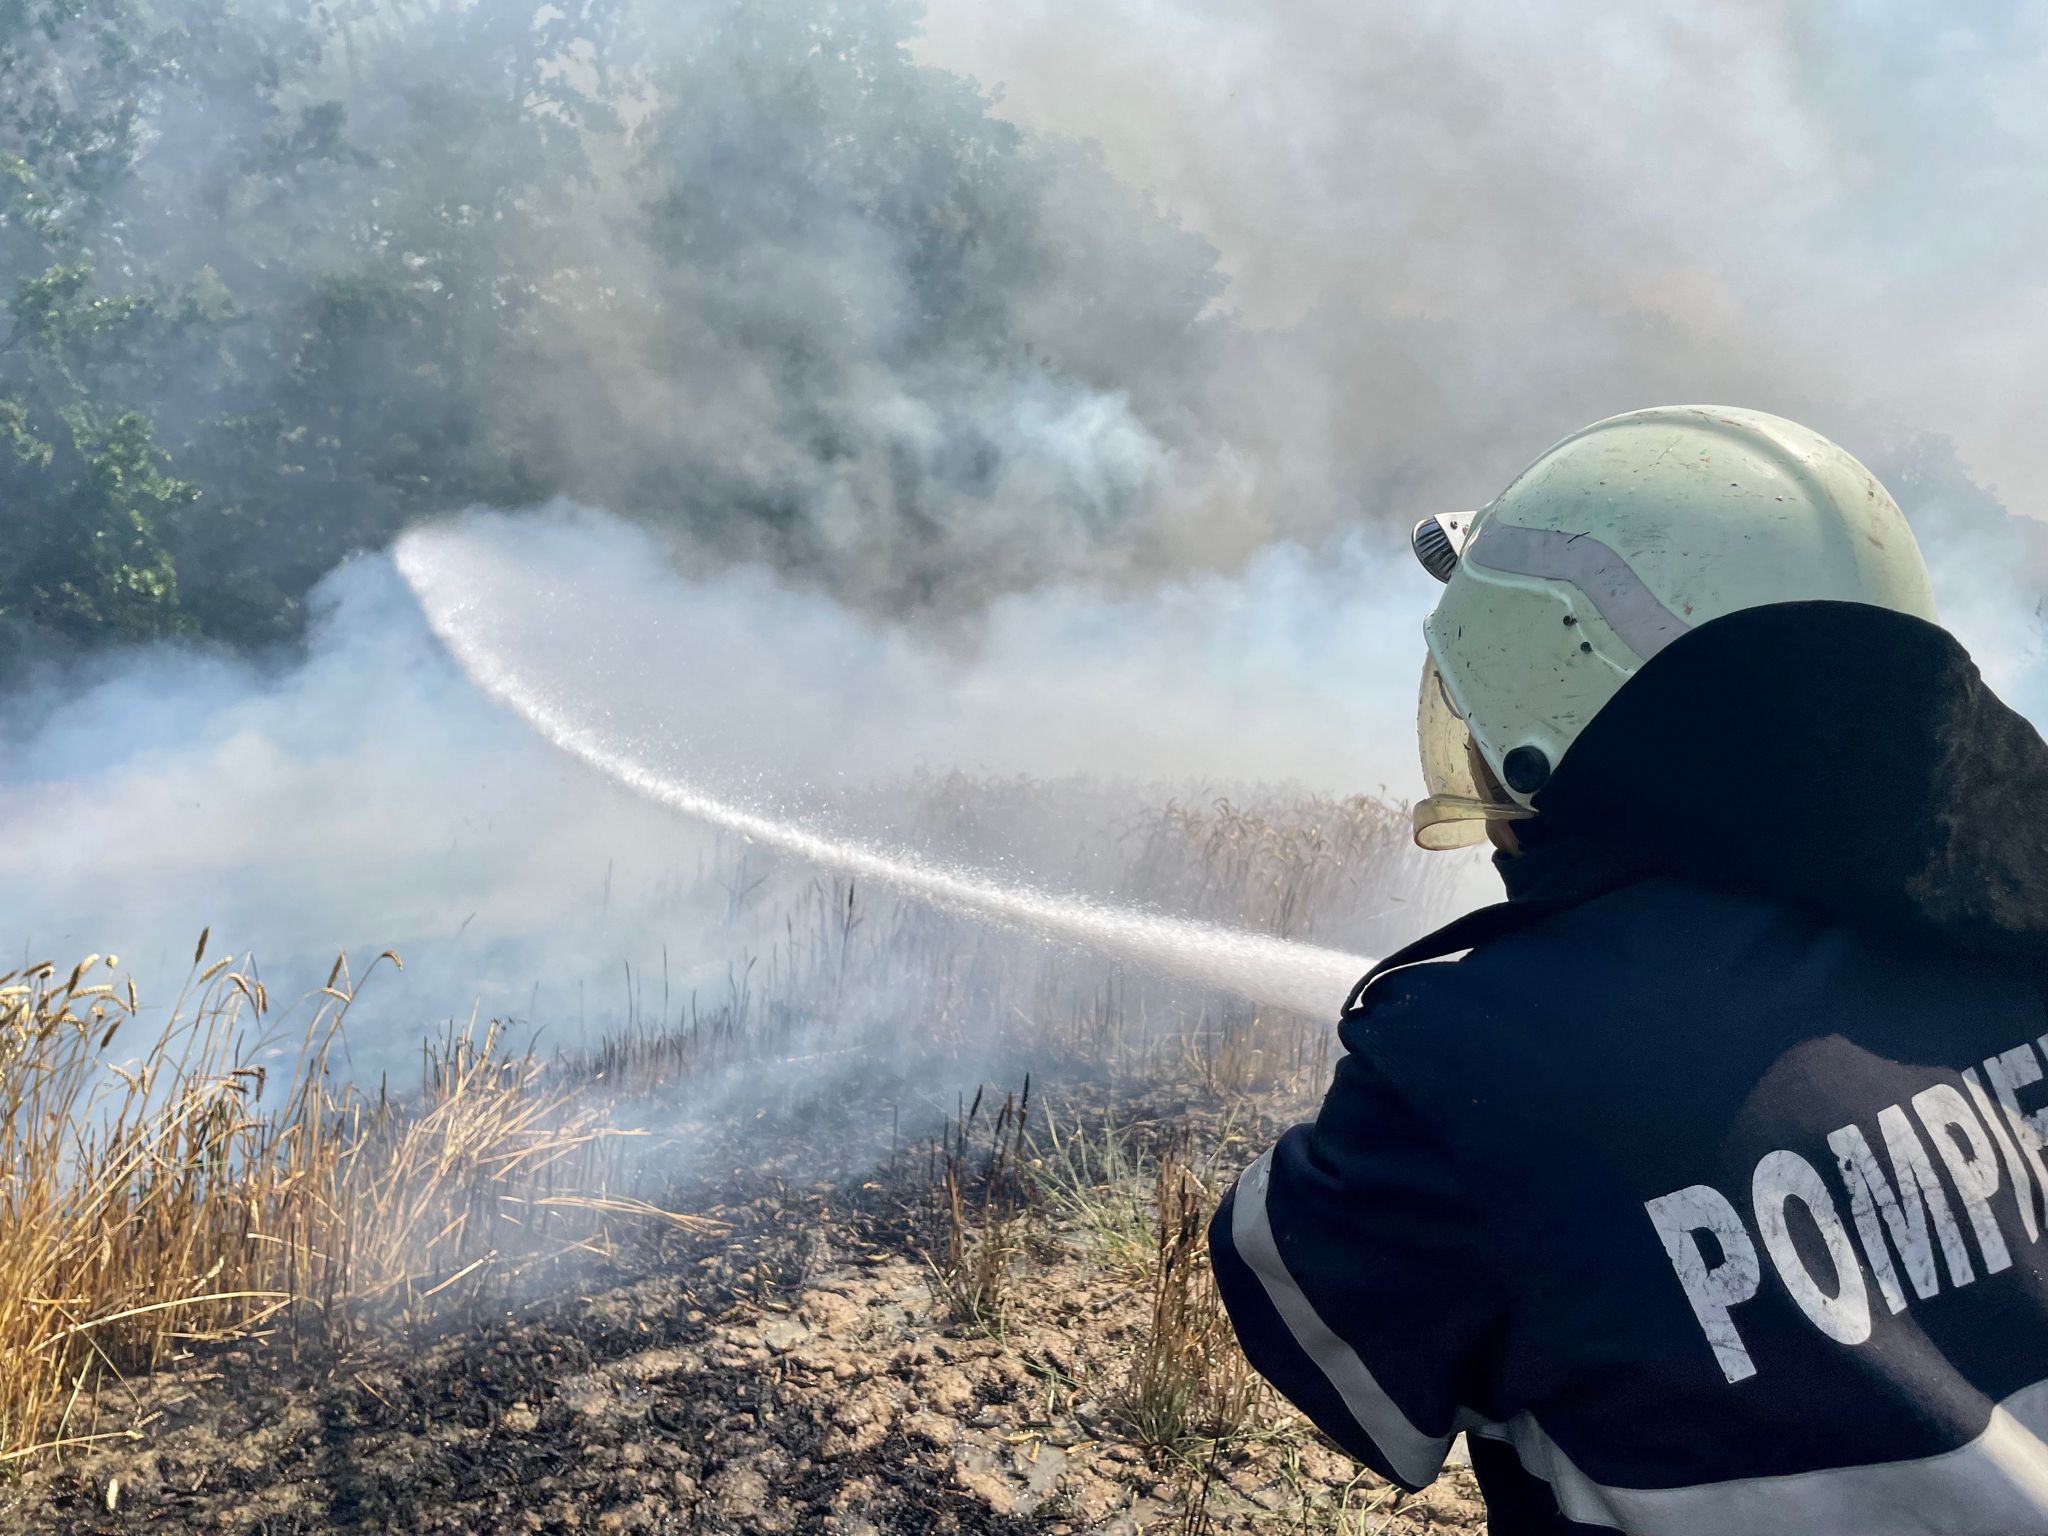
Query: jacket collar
[(1564, 870), (1836, 756)]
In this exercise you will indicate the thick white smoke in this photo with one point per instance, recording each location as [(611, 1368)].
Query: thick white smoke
[(1809, 207), (371, 796), (1300, 670), (485, 614)]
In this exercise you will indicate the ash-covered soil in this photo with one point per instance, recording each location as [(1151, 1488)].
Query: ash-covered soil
[(794, 1374)]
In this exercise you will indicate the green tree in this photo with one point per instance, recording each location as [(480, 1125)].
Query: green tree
[(278, 277), (85, 485)]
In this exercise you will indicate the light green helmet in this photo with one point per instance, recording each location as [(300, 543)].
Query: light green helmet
[(1605, 550)]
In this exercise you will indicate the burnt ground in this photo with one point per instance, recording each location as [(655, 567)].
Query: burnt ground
[(793, 1374)]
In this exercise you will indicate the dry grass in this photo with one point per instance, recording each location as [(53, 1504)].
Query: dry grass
[(1305, 868), (981, 1207), (186, 1192), (1189, 1386)]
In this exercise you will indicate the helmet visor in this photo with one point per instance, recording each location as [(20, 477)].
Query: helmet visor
[(1460, 799)]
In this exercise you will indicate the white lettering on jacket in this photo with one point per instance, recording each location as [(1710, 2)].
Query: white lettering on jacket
[(1983, 1139)]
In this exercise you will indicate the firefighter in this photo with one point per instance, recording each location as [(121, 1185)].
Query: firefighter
[(1701, 1183)]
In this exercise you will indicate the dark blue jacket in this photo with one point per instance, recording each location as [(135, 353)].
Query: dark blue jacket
[(1701, 1204)]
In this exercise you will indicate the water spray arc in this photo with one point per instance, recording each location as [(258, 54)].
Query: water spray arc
[(1271, 972)]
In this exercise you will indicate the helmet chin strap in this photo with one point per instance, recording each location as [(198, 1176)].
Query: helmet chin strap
[(1463, 795), (1446, 821)]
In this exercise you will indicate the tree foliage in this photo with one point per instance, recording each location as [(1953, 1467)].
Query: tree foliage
[(279, 277)]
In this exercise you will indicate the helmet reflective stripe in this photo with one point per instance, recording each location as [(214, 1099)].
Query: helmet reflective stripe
[(1616, 592), (1619, 540)]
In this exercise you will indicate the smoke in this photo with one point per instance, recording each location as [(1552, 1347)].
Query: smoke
[(1804, 208), (761, 687), (779, 276), (469, 616), (927, 437), (371, 795)]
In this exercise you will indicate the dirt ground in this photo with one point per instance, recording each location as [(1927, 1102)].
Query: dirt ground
[(794, 1374)]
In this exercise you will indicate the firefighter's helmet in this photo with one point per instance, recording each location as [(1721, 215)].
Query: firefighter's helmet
[(1605, 550)]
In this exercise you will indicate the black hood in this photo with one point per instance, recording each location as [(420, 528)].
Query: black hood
[(1836, 755)]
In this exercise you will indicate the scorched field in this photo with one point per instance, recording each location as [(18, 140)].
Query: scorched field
[(897, 1228)]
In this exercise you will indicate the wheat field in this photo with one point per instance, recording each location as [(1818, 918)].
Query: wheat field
[(161, 1198)]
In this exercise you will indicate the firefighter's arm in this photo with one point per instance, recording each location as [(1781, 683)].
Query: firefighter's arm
[(1353, 1269)]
